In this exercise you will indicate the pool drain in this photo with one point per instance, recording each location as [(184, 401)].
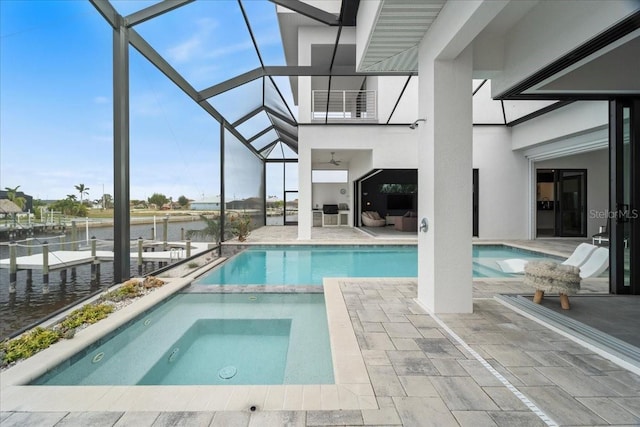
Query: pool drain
[(252, 298), (97, 358), (227, 372)]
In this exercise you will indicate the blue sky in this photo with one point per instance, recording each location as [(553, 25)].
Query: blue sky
[(56, 95)]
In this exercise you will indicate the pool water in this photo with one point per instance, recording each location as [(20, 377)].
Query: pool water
[(308, 265), (209, 339), (485, 257)]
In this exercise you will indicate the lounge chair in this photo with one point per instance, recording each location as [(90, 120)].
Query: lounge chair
[(579, 257), (597, 263), (602, 236), (373, 219)]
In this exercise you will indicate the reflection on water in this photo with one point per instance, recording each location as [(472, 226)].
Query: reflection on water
[(28, 304)]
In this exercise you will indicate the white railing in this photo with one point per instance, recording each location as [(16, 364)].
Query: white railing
[(344, 105)]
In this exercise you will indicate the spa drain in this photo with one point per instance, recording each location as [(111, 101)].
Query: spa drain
[(227, 372)]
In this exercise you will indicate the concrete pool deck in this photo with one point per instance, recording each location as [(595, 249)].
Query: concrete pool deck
[(420, 370)]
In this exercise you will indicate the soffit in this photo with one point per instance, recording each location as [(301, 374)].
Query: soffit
[(399, 28)]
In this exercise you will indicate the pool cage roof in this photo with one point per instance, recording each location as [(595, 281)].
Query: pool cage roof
[(248, 94), (255, 103)]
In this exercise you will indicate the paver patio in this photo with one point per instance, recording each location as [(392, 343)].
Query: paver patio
[(422, 376)]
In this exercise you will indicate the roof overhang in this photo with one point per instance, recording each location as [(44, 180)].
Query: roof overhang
[(389, 32)]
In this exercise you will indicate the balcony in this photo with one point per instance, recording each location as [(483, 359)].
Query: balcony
[(340, 106)]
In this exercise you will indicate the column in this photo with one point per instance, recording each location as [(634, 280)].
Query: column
[(445, 184), (305, 217), (121, 216)]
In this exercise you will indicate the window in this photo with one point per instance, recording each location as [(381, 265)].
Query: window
[(398, 188), (329, 176)]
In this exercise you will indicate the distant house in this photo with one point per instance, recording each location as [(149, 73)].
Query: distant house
[(212, 204), (169, 206), (249, 203)]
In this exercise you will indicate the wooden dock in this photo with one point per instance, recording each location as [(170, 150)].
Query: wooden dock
[(61, 260)]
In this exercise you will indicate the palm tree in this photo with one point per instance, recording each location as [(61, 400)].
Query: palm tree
[(82, 190), (12, 194), (211, 229)]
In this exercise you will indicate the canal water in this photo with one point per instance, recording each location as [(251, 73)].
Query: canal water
[(28, 304)]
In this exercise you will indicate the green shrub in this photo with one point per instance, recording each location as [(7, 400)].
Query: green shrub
[(27, 344), (129, 289), (89, 313), (193, 265)]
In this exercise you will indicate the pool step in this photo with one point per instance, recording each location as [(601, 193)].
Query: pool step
[(482, 270)]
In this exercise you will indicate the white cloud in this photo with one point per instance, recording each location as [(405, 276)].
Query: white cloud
[(230, 49), (194, 45)]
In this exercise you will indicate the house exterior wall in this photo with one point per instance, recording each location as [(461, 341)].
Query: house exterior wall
[(205, 206), (503, 180), (308, 36), (329, 194), (596, 163), (392, 147)]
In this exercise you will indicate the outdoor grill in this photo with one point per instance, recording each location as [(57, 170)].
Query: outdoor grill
[(330, 209)]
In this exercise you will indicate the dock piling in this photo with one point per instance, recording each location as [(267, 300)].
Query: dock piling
[(45, 267), (74, 236), (94, 276), (140, 245), (188, 248), (13, 267), (165, 231), (182, 234)]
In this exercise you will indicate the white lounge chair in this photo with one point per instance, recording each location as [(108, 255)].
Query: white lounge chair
[(596, 264), (579, 257)]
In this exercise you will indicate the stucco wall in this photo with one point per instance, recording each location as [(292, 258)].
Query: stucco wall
[(503, 183), (329, 193), (390, 147)]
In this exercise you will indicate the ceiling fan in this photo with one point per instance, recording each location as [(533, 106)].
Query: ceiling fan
[(333, 161)]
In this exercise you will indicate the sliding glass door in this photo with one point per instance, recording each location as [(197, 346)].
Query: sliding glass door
[(561, 203), (624, 223), (571, 216)]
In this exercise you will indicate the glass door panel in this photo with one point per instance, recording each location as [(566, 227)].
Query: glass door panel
[(291, 207), (624, 223), (626, 195), (571, 216)]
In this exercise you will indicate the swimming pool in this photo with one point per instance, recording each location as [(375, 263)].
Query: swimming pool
[(211, 339), (308, 265)]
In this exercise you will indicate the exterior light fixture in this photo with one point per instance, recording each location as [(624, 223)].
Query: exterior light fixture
[(415, 124)]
